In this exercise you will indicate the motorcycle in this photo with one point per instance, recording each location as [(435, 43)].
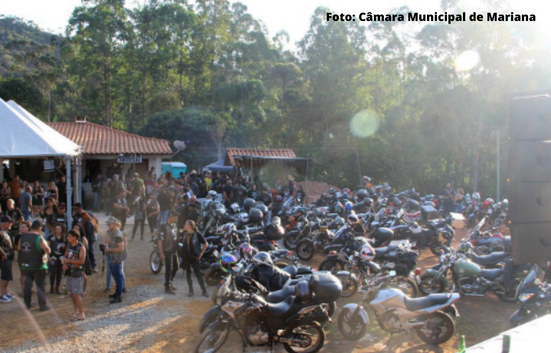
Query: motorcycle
[(295, 324), (306, 248), (432, 236), (534, 296), (468, 278), (395, 312), (486, 242)]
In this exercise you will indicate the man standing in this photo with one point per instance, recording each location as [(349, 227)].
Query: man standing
[(447, 197), (62, 189), (165, 204), (168, 246), (25, 200), (138, 186), (116, 251), (121, 209), (97, 185), (6, 257), (14, 214), (228, 193), (15, 187), (33, 258)]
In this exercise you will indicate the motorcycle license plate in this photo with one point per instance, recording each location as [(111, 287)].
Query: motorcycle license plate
[(215, 253)]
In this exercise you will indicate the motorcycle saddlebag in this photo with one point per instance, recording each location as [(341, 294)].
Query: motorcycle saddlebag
[(428, 212), (328, 288)]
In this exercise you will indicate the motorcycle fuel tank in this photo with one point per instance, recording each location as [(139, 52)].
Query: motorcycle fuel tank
[(466, 268)]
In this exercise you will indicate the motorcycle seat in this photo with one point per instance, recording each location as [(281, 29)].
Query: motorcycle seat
[(492, 273), (279, 296), (381, 251), (490, 259), (414, 304), (283, 309), (292, 270)]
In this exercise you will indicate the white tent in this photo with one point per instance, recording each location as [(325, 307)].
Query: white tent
[(25, 136)]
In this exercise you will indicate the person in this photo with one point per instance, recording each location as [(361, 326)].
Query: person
[(194, 248), (115, 250), (56, 241), (112, 188), (239, 192), (77, 227), (138, 186), (97, 186), (139, 216), (6, 257), (168, 246), (24, 227), (52, 192), (265, 196), (300, 195), (90, 232), (25, 200), (253, 192), (62, 189), (15, 188), (33, 253), (458, 200), (152, 213), (187, 191), (120, 208), (165, 204), (228, 194), (74, 260), (190, 213), (208, 181), (38, 198), (447, 197), (15, 214), (49, 209), (5, 194)]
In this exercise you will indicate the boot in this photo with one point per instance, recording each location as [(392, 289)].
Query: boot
[(169, 290), (172, 287), (57, 291), (190, 294)]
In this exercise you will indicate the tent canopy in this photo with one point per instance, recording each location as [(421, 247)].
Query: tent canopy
[(218, 166), (25, 136)]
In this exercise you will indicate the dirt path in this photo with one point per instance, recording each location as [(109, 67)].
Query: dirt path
[(150, 321)]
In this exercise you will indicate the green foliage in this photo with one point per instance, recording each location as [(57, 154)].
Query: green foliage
[(24, 93)]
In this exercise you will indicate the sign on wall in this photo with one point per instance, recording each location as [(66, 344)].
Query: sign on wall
[(130, 158)]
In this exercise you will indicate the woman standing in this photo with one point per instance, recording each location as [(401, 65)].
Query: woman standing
[(38, 198), (77, 227), (74, 261), (300, 195), (152, 212), (458, 200), (194, 248), (57, 244), (47, 215), (5, 195), (52, 191)]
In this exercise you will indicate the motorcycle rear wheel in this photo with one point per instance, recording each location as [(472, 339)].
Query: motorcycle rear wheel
[(333, 265), (435, 323), (314, 346), (351, 328), (290, 240), (305, 250), (155, 263), (429, 285), (213, 277), (213, 339)]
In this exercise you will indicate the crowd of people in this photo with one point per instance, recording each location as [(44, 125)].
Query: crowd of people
[(34, 234)]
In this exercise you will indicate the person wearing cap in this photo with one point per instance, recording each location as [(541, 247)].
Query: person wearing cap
[(115, 249), (121, 209), (33, 251), (165, 204), (168, 249), (6, 257)]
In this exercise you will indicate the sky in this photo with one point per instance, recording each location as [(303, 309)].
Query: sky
[(292, 16)]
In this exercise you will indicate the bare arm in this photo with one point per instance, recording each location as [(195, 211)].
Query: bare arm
[(44, 246)]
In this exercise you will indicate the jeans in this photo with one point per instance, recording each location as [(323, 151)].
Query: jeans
[(92, 254), (108, 276), (118, 274), (162, 219), (458, 208), (26, 215), (171, 261), (136, 223), (38, 276), (96, 203)]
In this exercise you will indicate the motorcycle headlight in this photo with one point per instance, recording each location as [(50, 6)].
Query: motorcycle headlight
[(524, 297)]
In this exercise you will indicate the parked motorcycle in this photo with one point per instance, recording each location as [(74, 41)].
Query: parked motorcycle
[(534, 296), (430, 317), (295, 322)]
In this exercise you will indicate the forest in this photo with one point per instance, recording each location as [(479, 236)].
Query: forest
[(414, 104)]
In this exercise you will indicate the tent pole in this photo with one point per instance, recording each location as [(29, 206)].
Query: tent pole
[(69, 194), (78, 162)]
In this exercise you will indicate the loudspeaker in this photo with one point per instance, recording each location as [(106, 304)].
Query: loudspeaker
[(529, 177), (530, 119)]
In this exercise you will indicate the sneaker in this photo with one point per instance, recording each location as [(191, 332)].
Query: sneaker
[(115, 300), (5, 299), (95, 270), (46, 308), (11, 296), (113, 296), (169, 290)]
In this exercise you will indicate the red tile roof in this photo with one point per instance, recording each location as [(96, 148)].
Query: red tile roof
[(231, 152), (98, 139)]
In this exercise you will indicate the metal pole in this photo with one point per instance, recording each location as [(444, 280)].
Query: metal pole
[(497, 167), (69, 193)]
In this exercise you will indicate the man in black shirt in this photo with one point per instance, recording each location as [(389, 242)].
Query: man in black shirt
[(168, 246), (165, 204), (239, 193), (62, 189), (265, 197), (6, 257), (228, 193)]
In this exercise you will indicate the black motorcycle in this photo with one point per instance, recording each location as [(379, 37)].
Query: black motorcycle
[(534, 296), (297, 324)]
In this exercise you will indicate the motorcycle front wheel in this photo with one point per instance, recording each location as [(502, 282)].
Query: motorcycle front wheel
[(351, 326), (290, 240), (306, 338), (438, 328), (212, 339), (349, 285), (429, 284), (213, 277), (332, 264), (305, 250), (155, 263)]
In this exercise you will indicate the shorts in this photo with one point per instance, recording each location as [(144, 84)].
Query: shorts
[(6, 269), (75, 285)]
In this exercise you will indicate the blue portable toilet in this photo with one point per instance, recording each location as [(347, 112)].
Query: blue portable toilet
[(174, 167)]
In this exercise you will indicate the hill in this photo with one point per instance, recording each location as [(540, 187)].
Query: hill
[(16, 30)]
